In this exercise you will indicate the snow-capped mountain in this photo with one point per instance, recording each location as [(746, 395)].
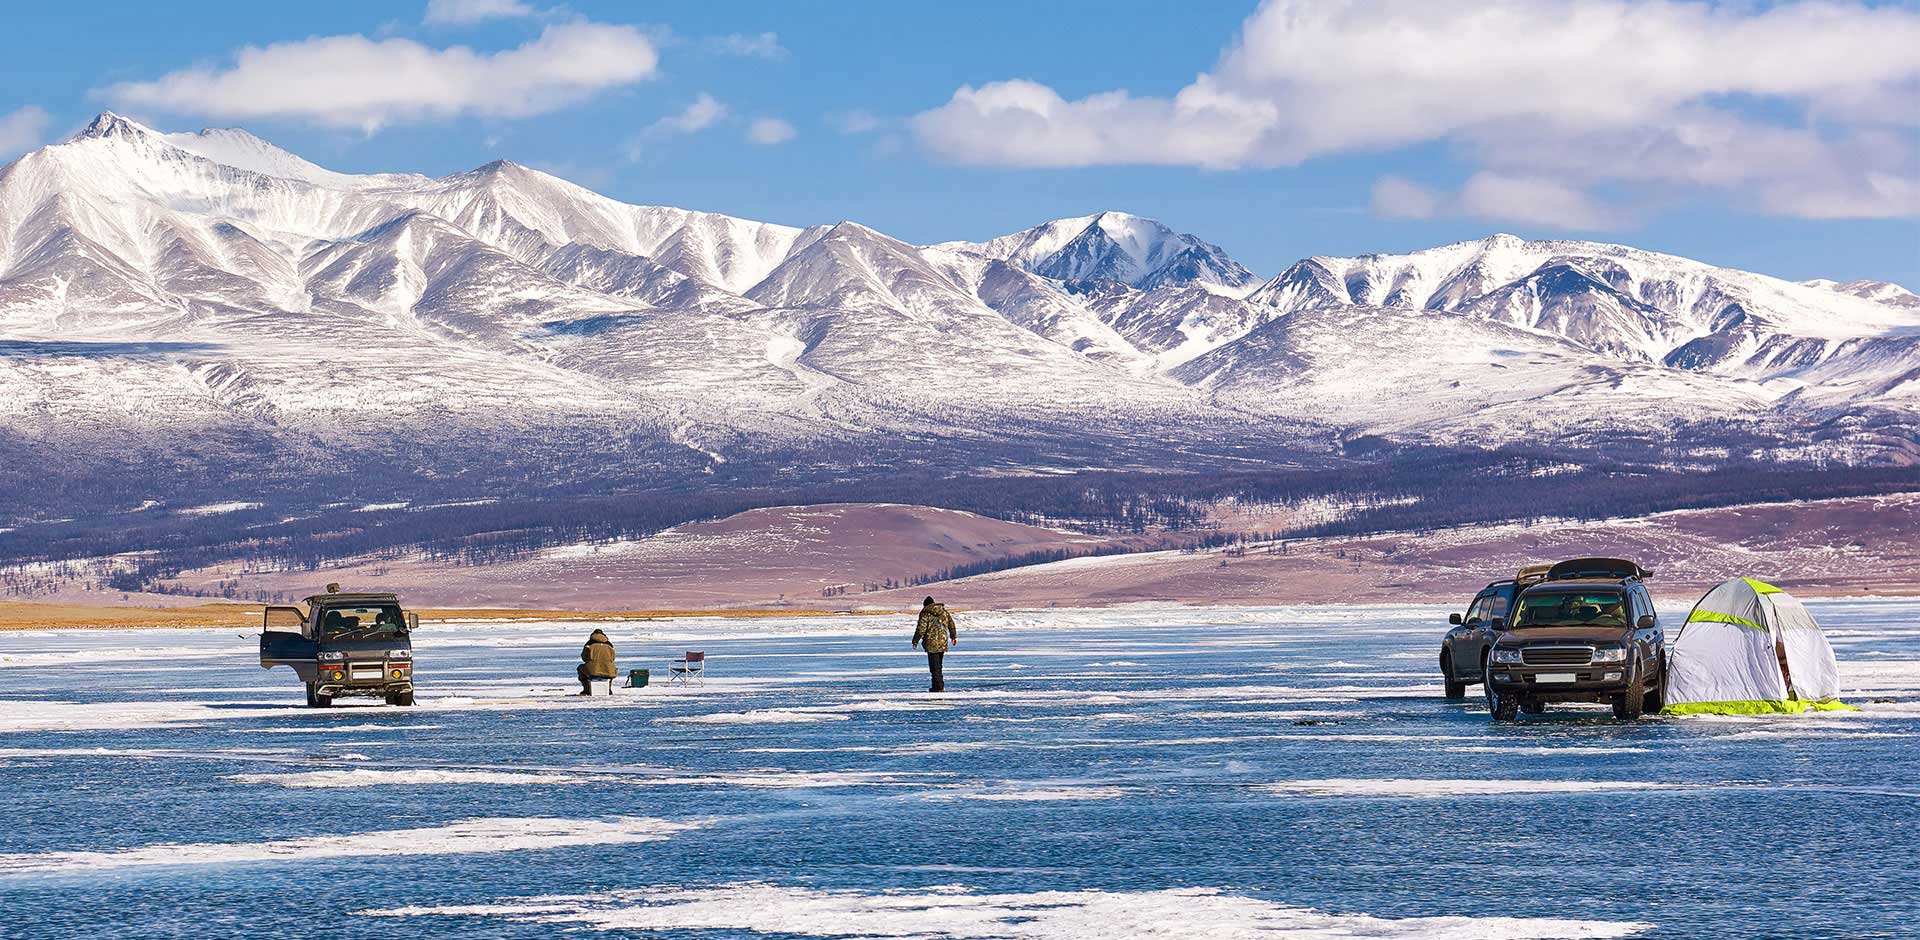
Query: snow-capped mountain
[(213, 285), (1115, 246)]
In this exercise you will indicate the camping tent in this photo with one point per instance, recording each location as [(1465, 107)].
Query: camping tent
[(1750, 648)]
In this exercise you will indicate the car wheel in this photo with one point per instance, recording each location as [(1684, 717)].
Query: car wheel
[(315, 699), (1506, 707), (1629, 705), (1657, 696), (1503, 706), (1455, 688), (400, 698)]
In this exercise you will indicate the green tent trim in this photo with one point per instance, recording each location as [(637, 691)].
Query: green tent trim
[(1718, 617), (1762, 587), (1792, 706)]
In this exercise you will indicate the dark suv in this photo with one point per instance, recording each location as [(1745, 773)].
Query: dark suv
[(1587, 633), (1463, 651), (344, 644)]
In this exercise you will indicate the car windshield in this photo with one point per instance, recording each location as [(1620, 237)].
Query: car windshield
[(340, 623), (1572, 609)]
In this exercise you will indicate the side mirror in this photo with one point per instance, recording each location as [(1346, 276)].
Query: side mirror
[(1453, 619), (1499, 623), (1646, 621), (413, 621)]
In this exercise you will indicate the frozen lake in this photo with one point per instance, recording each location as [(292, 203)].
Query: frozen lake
[(1230, 773)]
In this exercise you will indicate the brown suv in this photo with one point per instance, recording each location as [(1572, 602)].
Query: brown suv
[(1588, 633)]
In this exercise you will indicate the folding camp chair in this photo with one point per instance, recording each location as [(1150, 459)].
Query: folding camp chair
[(689, 668)]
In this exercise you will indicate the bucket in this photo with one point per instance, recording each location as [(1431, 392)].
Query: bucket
[(637, 679)]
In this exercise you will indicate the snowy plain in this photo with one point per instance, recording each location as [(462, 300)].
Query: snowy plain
[(1150, 771)]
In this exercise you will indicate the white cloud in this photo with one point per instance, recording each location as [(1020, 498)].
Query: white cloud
[(22, 129), (1578, 92), (755, 46), (452, 12), (769, 130), (1396, 197), (854, 122), (703, 112), (1023, 123), (354, 81), (1498, 198)]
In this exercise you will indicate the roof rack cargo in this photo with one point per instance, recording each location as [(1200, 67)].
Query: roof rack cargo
[(1532, 574), (353, 597), (1597, 568)]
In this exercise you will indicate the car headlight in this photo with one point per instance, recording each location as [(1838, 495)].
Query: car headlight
[(399, 654), (1506, 656), (332, 657), (1610, 654)]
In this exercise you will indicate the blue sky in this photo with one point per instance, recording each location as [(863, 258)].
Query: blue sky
[(1801, 170)]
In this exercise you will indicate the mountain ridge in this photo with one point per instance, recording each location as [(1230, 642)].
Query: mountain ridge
[(270, 298)]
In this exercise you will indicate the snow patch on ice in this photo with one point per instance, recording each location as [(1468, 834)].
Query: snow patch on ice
[(1049, 794), (464, 837), (1437, 788), (764, 778), (954, 912), (758, 716)]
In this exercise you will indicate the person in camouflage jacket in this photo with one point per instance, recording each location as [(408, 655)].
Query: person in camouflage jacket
[(935, 633)]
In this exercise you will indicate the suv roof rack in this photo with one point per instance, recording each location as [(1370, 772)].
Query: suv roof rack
[(1612, 568), (1532, 574), (353, 598)]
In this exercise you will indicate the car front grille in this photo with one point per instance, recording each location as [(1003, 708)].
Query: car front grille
[(1557, 655)]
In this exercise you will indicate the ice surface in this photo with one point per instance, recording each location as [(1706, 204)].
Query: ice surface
[(1245, 772)]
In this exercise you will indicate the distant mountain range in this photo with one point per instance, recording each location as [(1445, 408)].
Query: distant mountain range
[(178, 301)]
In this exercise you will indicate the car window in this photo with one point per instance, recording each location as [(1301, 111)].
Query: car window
[(362, 622), (1478, 612), (1497, 605), (1572, 608)]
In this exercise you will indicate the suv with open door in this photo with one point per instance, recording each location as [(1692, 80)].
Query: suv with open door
[(1463, 651), (344, 644), (1587, 633)]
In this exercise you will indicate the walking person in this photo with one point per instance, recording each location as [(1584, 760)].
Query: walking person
[(596, 661), (934, 633)]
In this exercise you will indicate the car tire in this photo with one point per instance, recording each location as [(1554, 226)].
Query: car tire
[(1656, 697), (1506, 707), (1629, 705), (1502, 706), (400, 698), (1455, 688), (315, 699)]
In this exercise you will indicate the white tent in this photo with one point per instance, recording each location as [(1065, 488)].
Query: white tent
[(1750, 648)]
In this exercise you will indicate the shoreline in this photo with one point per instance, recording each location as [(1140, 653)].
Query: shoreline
[(16, 617)]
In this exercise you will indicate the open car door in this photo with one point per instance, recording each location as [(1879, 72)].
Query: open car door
[(283, 637)]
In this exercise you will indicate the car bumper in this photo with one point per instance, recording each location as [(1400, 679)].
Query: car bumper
[(1545, 683), (388, 687)]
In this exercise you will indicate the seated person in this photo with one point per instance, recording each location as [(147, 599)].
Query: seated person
[(596, 661)]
